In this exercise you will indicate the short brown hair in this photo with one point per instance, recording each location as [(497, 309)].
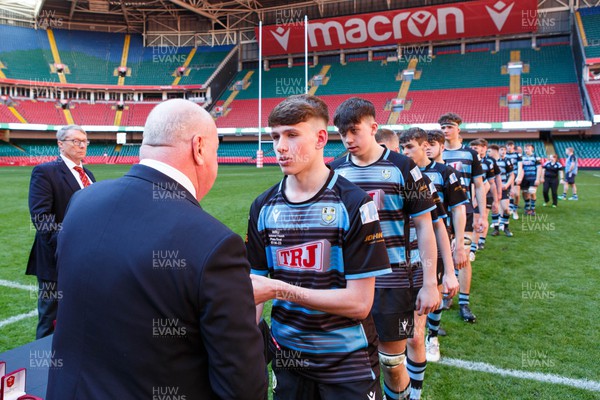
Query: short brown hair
[(417, 134), (450, 118), (436, 136), (298, 108), (494, 147)]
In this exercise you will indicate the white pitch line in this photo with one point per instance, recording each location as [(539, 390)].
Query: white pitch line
[(536, 376), (17, 318), (16, 285)]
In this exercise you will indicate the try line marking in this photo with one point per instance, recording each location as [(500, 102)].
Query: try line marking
[(16, 285), (536, 376), (17, 318)]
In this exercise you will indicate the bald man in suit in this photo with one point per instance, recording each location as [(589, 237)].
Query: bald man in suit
[(51, 187), (157, 298)]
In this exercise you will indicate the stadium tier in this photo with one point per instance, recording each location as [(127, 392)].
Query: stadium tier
[(93, 58), (93, 114), (470, 84), (135, 114), (41, 112), (594, 92), (6, 115), (590, 17), (25, 54)]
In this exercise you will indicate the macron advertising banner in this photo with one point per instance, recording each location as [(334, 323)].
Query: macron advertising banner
[(414, 25)]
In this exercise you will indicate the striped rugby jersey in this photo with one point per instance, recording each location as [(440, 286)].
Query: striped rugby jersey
[(399, 190), (506, 168), (516, 160), (321, 243), (447, 184), (530, 164), (466, 162)]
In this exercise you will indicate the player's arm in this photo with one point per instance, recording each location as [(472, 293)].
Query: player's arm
[(231, 343), (538, 174), (449, 282), (520, 173), (428, 298), (480, 196), (459, 220), (354, 301)]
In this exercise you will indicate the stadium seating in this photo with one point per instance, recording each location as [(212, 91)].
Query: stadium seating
[(538, 146), (41, 112), (6, 115), (204, 63), (91, 56), (26, 54), (469, 84), (135, 114), (594, 92), (93, 114), (590, 17)]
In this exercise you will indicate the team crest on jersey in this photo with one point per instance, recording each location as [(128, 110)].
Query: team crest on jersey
[(307, 256), (328, 215), (386, 174)]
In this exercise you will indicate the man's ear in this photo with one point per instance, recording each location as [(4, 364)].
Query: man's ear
[(198, 150), (374, 127), (322, 137)]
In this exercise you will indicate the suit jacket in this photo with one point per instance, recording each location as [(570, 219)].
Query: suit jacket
[(50, 189), (156, 298)]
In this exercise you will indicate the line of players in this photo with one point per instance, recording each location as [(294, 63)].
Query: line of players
[(356, 279)]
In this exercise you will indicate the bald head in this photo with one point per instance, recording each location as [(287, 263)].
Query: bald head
[(183, 134), (176, 121)]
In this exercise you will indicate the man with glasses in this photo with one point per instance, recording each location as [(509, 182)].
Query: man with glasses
[(51, 187)]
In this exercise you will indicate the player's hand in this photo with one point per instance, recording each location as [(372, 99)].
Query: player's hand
[(496, 207), (536, 183), (428, 299), (482, 224), (450, 285), (264, 288), (459, 256), (505, 187)]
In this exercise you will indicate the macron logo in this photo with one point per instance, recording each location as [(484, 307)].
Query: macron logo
[(282, 36), (500, 13)]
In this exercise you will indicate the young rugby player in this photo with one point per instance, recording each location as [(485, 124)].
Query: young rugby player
[(570, 174), (507, 179), (388, 138), (532, 172), (517, 162), (319, 239), (465, 161), (401, 193), (445, 183)]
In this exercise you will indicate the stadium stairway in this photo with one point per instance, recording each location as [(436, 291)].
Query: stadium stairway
[(185, 65), (124, 57), (56, 55)]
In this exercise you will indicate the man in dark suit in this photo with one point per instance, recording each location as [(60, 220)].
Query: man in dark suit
[(51, 187), (157, 299)]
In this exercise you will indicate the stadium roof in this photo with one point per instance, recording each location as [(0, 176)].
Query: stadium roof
[(187, 15)]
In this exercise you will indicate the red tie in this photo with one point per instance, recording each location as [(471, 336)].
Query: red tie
[(84, 179)]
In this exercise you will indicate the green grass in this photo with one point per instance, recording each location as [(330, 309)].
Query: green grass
[(535, 295)]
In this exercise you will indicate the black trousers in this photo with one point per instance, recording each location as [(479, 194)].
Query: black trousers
[(551, 183), (48, 297)]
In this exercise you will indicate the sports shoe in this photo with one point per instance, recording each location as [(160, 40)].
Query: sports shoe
[(562, 197), (553, 205), (515, 215), (481, 246), (466, 314), (574, 197), (471, 256), (507, 232), (432, 348), (441, 331), (532, 213), (544, 205), (446, 304), (495, 232)]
